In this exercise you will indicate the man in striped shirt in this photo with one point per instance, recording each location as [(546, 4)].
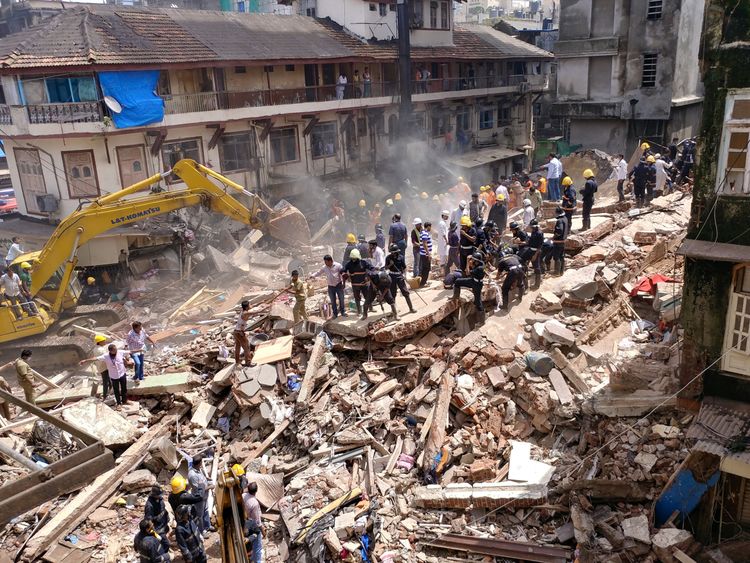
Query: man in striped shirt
[(425, 253)]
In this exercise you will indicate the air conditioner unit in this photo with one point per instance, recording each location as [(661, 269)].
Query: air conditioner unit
[(524, 87), (47, 203)]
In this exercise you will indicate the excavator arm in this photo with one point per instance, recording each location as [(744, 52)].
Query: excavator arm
[(125, 207)]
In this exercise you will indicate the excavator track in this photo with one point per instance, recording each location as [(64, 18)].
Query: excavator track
[(50, 354)]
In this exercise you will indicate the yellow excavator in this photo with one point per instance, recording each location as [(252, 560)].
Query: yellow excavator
[(55, 287), (230, 519)]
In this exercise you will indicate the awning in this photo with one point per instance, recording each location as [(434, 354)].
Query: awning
[(480, 157), (721, 426), (714, 251)]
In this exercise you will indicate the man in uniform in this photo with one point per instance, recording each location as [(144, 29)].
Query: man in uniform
[(189, 538), (569, 203), (514, 276), (642, 174), (156, 512), (473, 280), (453, 248), (25, 275), (148, 544), (25, 376), (416, 245), (558, 240), (351, 244), (396, 267), (396, 235), (467, 242), (587, 193), (355, 271), (298, 289), (379, 289), (536, 242), (180, 497)]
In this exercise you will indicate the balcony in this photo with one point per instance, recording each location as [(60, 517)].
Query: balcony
[(5, 116), (586, 110), (70, 112)]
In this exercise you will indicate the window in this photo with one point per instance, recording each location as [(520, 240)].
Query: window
[(310, 12), (648, 78), (373, 7), (237, 152), (289, 68), (653, 11), (59, 90), (268, 68), (463, 118), (172, 151), (433, 15), (383, 9), (737, 331), (80, 172), (240, 70), (324, 140), (283, 145), (486, 119), (445, 20)]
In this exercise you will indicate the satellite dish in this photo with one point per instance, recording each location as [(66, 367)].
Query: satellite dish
[(112, 104)]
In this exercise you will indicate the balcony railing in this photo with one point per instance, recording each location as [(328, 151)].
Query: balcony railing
[(435, 85), (5, 117), (71, 112)]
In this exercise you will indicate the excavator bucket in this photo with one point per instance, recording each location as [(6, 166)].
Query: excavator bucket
[(288, 224)]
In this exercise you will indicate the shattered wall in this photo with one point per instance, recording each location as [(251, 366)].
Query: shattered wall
[(719, 219)]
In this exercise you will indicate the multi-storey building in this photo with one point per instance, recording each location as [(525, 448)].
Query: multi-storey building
[(98, 97), (627, 71)]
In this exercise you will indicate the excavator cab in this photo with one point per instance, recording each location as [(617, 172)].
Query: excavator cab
[(230, 519)]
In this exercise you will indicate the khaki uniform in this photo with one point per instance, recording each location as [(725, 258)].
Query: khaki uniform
[(25, 380), (4, 406), (300, 294)]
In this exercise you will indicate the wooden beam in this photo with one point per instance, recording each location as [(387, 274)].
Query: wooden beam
[(266, 443), (18, 457), (219, 131), (313, 364), (436, 437)]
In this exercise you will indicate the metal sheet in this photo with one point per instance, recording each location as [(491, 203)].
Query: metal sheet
[(714, 251)]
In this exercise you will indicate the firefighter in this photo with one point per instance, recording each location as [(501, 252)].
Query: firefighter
[(587, 193), (558, 240), (569, 202), (474, 280), (514, 277), (395, 265), (379, 289), (189, 538), (536, 243), (468, 239)]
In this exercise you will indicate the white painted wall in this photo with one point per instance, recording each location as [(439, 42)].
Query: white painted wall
[(356, 16)]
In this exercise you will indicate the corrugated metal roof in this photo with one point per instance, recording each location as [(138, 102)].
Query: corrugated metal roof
[(104, 35), (722, 427)]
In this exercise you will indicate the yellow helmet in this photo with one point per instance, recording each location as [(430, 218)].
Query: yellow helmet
[(389, 201), (460, 178), (501, 197), (100, 339), (567, 181), (465, 221), (645, 146), (178, 484), (351, 238), (238, 470), (423, 195), (650, 159), (362, 203), (588, 173), (25, 265), (484, 188), (91, 280), (397, 197)]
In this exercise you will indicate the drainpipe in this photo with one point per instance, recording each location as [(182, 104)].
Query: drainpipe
[(405, 115)]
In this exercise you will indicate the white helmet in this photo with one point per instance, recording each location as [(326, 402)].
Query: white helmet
[(526, 202), (417, 221), (462, 203)]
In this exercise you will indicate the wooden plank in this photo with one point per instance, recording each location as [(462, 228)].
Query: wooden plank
[(394, 456), (313, 364), (266, 443), (436, 437), (371, 483), (563, 365), (85, 502), (561, 388), (30, 419), (274, 350)]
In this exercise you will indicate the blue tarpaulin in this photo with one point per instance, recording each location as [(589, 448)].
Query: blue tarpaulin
[(135, 90), (683, 495)]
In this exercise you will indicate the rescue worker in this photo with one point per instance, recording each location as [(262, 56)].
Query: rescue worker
[(377, 255), (569, 202), (156, 511), (355, 270), (453, 248), (396, 267), (425, 253), (375, 214), (476, 208), (298, 289), (459, 212), (461, 190), (528, 212), (179, 497), (28, 304), (474, 279), (241, 342), (188, 536), (536, 242), (548, 249), (25, 376), (379, 236), (514, 277), (200, 486), (651, 182), (362, 246), (416, 244), (587, 193), (396, 235), (468, 239), (558, 240), (646, 150), (379, 289), (520, 237), (499, 214), (90, 294), (351, 244), (535, 198), (361, 217), (642, 175), (488, 197), (148, 544)]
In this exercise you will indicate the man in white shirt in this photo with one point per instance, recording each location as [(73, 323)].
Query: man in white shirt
[(528, 213), (115, 361), (341, 86), (621, 173), (11, 283), (136, 340), (14, 251), (377, 255), (459, 212), (442, 237), (502, 190), (554, 171), (333, 270)]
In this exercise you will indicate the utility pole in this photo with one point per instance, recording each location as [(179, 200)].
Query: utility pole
[(405, 115)]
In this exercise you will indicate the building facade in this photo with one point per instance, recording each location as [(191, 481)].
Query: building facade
[(627, 71), (255, 96)]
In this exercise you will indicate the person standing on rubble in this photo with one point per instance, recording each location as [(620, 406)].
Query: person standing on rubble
[(298, 289), (189, 538), (362, 246), (200, 486), (251, 507), (156, 511), (416, 245), (396, 235), (241, 342), (149, 545), (425, 253), (374, 214), (395, 265), (476, 208), (536, 242), (528, 212), (514, 277), (181, 497), (355, 270), (535, 197), (442, 237), (468, 240), (454, 248), (25, 376), (136, 341), (641, 175), (569, 203), (377, 255), (554, 170), (333, 270), (661, 166), (499, 214), (379, 236), (379, 289), (474, 280), (351, 244), (558, 240), (621, 173), (116, 363), (587, 194)]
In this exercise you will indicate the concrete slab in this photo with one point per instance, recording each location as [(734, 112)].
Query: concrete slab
[(99, 420), (160, 384)]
